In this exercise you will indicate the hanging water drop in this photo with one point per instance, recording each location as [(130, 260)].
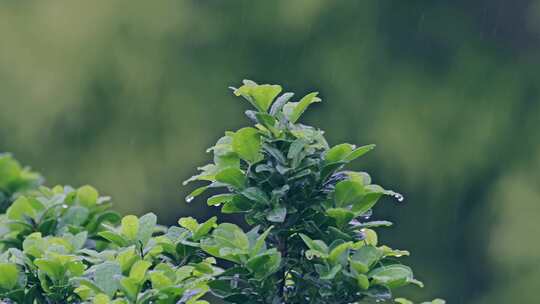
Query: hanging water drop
[(399, 197), (189, 198)]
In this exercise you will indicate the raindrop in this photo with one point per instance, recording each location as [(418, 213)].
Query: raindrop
[(189, 198), (399, 197)]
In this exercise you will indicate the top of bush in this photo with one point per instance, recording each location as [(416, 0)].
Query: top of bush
[(311, 239)]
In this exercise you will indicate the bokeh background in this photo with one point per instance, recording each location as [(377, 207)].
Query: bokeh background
[(127, 95)]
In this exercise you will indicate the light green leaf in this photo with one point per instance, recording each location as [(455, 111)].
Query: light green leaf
[(87, 196), (130, 288), (365, 203), (359, 152), (232, 176), (230, 235), (404, 301), (126, 258), (348, 192), (293, 110), (195, 193), (138, 271), (247, 144), (362, 281), (203, 229), (393, 276), (338, 153), (260, 96), (114, 238), (20, 209), (160, 280), (53, 269), (189, 223), (338, 252), (105, 277), (341, 215), (315, 245), (365, 257), (219, 199), (101, 299), (9, 276), (260, 242), (130, 226), (239, 203), (147, 224)]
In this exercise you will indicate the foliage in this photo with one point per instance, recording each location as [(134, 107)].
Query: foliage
[(286, 181), (311, 241), (14, 179)]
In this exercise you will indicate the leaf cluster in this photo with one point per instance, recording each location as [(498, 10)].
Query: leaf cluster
[(311, 239)]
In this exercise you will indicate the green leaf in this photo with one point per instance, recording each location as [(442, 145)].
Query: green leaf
[(239, 203), (195, 193), (336, 255), (341, 215), (268, 121), (359, 152), (101, 299), (232, 176), (20, 209), (189, 223), (105, 277), (130, 226), (293, 110), (130, 287), (329, 274), (348, 192), (280, 102), (362, 281), (126, 258), (138, 271), (87, 196), (367, 202), (338, 153), (316, 245), (365, 257), (260, 96), (9, 276), (203, 229), (53, 269), (393, 276), (219, 199), (264, 264), (260, 242), (247, 144), (346, 153), (160, 280), (114, 238), (147, 224), (256, 194), (277, 215), (230, 235)]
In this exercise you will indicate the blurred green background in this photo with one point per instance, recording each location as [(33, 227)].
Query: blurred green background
[(127, 95)]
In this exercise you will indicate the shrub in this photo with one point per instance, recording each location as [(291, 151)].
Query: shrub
[(311, 239)]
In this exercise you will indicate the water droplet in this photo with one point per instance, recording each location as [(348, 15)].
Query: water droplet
[(64, 206), (398, 196), (189, 198)]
